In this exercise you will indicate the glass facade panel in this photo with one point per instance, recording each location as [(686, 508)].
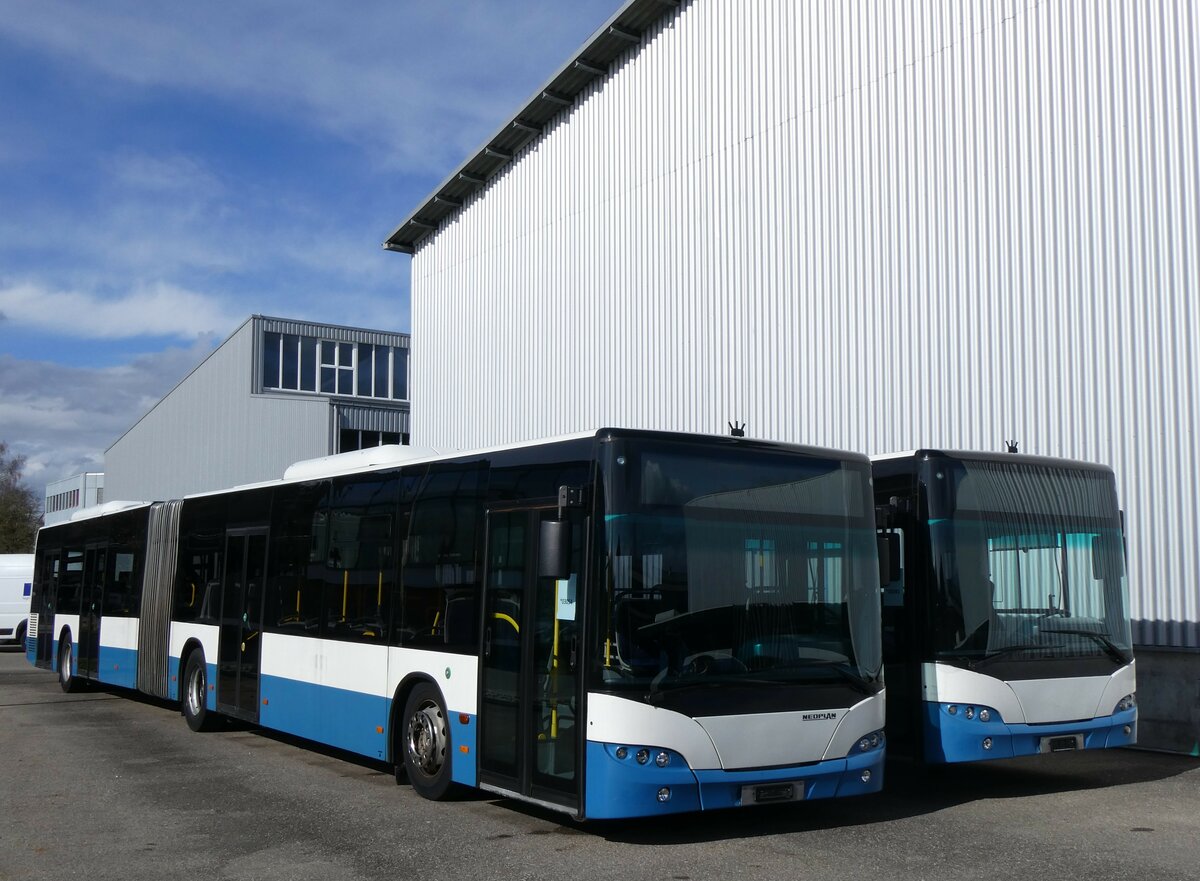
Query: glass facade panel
[(271, 360), (382, 355), (308, 364), (291, 361), (400, 373), (366, 362)]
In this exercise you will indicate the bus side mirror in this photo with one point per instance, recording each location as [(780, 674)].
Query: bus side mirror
[(889, 557), (554, 549)]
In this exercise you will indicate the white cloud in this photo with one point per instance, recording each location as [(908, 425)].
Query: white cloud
[(64, 418), (173, 174), (158, 309)]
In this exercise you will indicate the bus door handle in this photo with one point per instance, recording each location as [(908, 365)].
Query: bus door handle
[(487, 642)]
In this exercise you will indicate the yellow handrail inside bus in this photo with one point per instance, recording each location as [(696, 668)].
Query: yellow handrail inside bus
[(502, 617), (345, 590), (554, 679)]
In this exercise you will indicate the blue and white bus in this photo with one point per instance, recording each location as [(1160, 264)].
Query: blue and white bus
[(1006, 627), (615, 624)]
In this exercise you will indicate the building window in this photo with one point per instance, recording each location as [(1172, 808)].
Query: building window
[(294, 362), (350, 439), (400, 373), (337, 368), (271, 345), (289, 362), (64, 501), (374, 370)]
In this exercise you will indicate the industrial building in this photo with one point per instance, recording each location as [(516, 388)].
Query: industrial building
[(64, 497), (870, 226), (275, 392)]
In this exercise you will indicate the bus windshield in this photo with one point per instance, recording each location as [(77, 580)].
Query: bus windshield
[(1029, 562), (735, 565)]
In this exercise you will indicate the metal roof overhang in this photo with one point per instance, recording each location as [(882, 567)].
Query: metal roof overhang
[(613, 38)]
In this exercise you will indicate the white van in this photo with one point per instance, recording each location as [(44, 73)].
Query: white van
[(16, 580)]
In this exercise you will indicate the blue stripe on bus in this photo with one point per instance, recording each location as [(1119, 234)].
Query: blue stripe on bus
[(117, 666), (955, 738), (348, 720), (462, 764)]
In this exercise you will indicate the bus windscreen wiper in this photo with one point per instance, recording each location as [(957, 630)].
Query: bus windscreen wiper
[(1110, 647), (1004, 652)]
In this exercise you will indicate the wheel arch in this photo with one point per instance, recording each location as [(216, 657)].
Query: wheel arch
[(399, 699), (193, 644)]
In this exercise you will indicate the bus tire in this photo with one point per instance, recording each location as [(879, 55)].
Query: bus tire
[(69, 682), (194, 697), (426, 741), (20, 637)]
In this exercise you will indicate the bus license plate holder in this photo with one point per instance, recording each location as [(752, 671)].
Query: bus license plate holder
[(1060, 743), (771, 793)]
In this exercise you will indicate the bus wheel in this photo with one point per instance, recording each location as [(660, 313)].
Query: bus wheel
[(195, 691), (427, 742), (20, 636), (68, 682)]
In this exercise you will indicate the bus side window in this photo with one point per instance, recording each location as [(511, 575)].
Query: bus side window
[(440, 576)]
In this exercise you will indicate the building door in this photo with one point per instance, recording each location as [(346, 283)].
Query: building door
[(91, 597), (240, 649), (529, 682)]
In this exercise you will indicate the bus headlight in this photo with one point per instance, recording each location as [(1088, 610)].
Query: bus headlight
[(643, 756), (1126, 703), (662, 759), (871, 741)]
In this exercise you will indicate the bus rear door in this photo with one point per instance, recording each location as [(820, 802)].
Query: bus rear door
[(90, 611), (240, 650)]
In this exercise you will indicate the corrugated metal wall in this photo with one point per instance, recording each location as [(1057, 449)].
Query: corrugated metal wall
[(210, 432), (870, 225)]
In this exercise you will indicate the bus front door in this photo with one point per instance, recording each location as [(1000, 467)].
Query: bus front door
[(529, 681), (239, 652), (92, 595)]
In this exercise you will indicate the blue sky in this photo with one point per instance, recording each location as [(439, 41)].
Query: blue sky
[(167, 170)]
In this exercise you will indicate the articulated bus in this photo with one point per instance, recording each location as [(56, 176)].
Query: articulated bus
[(1006, 625), (610, 625)]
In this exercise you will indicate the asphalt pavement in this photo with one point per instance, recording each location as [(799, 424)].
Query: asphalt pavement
[(106, 784)]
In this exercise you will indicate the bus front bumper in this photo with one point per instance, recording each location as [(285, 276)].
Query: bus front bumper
[(621, 787), (955, 738)]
